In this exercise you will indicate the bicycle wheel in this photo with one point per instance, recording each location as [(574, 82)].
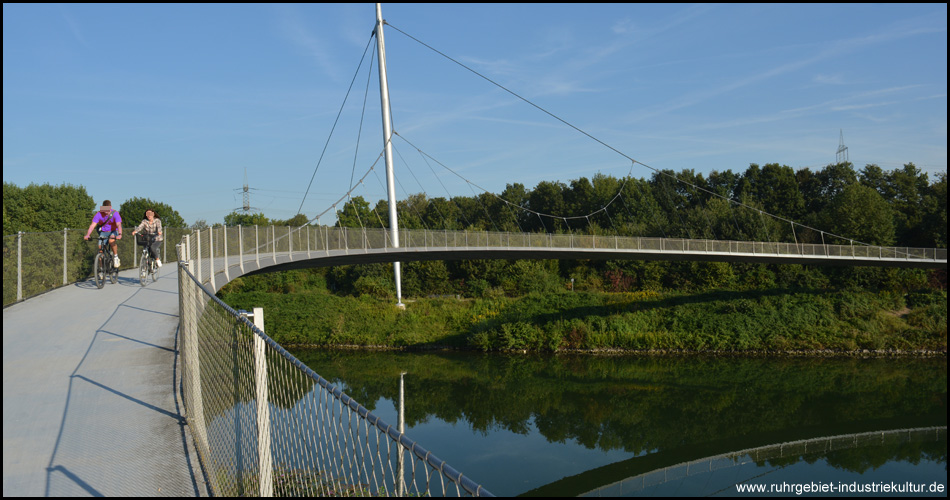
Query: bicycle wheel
[(143, 271), (154, 272), (99, 270)]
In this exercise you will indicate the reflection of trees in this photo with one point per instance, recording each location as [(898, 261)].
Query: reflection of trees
[(227, 368), (647, 404)]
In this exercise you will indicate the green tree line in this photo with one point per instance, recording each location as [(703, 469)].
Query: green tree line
[(44, 207), (900, 207)]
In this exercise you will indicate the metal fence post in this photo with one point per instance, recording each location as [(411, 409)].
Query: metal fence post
[(241, 247), (290, 243), (264, 461), (211, 257), (257, 247), (19, 266), (198, 256), (224, 243), (64, 256)]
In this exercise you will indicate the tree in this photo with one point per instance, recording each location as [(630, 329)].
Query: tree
[(245, 219), (861, 213), (907, 189), (133, 211), (933, 227), (355, 213), (295, 221), (779, 193), (834, 178), (547, 198), (41, 208)]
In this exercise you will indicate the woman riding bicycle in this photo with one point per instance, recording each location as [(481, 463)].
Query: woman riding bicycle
[(151, 226), (110, 226)]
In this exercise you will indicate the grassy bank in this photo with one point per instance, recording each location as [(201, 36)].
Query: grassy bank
[(774, 320)]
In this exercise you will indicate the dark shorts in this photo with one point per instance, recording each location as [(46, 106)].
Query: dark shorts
[(108, 234)]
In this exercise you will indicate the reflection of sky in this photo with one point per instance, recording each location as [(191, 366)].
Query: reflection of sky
[(534, 461)]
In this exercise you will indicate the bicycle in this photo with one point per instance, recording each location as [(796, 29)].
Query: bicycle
[(104, 264), (148, 265)]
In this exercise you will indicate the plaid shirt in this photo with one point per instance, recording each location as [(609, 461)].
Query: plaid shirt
[(154, 228)]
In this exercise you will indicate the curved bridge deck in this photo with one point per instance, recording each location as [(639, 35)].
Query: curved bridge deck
[(89, 400)]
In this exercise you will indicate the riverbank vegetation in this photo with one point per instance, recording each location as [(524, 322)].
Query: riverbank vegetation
[(543, 314), (549, 305)]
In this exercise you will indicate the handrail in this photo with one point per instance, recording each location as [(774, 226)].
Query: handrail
[(324, 442)]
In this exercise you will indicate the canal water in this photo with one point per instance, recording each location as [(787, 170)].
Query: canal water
[(620, 425)]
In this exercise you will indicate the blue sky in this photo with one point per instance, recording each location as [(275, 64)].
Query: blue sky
[(174, 102)]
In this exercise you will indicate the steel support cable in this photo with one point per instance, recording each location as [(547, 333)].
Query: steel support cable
[(653, 207), (674, 208), (704, 206), (383, 187), (608, 146), (345, 195), (611, 221), (482, 205), (447, 193), (359, 132), (424, 193), (382, 224), (299, 210), (513, 215), (539, 214), (404, 190)]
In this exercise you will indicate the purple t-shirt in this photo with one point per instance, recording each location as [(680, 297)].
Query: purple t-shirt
[(112, 225)]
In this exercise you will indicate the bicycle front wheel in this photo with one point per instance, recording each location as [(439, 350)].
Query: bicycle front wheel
[(99, 270), (143, 272)]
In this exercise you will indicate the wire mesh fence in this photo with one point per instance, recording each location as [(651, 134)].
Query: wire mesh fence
[(34, 263), (265, 424)]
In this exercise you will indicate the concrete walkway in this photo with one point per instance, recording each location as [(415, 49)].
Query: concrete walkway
[(90, 405)]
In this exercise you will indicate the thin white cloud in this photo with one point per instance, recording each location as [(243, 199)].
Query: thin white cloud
[(853, 107), (836, 49), (829, 79), (293, 30), (74, 27)]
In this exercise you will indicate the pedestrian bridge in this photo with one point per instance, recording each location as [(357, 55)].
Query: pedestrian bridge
[(221, 254), (259, 420)]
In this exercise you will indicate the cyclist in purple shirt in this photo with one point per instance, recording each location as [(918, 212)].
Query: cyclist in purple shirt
[(110, 224)]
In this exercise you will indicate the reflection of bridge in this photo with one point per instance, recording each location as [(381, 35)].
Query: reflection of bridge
[(603, 481), (230, 252)]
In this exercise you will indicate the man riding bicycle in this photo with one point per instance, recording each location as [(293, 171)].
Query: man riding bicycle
[(110, 226), (151, 226)]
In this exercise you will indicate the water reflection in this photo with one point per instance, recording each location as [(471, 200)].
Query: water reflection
[(597, 412), (895, 444)]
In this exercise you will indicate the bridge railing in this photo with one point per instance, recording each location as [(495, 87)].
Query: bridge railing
[(218, 250), (263, 422), (37, 262), (34, 263)]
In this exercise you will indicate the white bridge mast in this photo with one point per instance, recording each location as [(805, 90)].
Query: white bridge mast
[(387, 144)]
